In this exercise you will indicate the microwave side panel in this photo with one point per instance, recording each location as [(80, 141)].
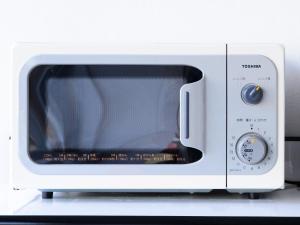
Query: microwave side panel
[(261, 65), (24, 177)]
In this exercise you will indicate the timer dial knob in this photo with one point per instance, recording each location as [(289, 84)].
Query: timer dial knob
[(251, 148), (252, 94)]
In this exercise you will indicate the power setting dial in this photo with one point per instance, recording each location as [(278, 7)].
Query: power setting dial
[(252, 94), (251, 148)]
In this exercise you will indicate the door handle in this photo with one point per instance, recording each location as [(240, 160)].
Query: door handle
[(192, 114)]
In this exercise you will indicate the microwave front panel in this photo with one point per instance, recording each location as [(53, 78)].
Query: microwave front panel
[(252, 126), (119, 114)]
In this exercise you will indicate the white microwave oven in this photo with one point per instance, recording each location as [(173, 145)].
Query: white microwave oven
[(148, 118)]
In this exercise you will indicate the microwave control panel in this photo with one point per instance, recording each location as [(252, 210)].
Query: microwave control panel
[(251, 114)]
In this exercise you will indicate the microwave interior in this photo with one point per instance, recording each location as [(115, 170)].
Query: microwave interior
[(107, 114)]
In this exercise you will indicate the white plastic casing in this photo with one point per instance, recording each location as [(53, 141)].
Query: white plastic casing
[(22, 177), (274, 178)]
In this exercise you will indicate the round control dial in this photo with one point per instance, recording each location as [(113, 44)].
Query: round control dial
[(252, 94), (251, 148)]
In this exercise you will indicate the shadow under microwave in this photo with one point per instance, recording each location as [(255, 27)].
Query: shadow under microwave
[(108, 114)]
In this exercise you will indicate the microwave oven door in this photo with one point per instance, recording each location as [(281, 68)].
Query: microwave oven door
[(115, 114), (112, 120)]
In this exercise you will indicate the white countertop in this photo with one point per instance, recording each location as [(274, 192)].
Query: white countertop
[(279, 203)]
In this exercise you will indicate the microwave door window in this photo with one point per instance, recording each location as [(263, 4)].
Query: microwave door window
[(108, 114)]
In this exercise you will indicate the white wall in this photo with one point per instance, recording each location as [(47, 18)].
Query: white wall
[(150, 21)]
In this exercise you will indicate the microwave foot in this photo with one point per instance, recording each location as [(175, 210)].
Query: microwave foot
[(253, 195), (47, 195)]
